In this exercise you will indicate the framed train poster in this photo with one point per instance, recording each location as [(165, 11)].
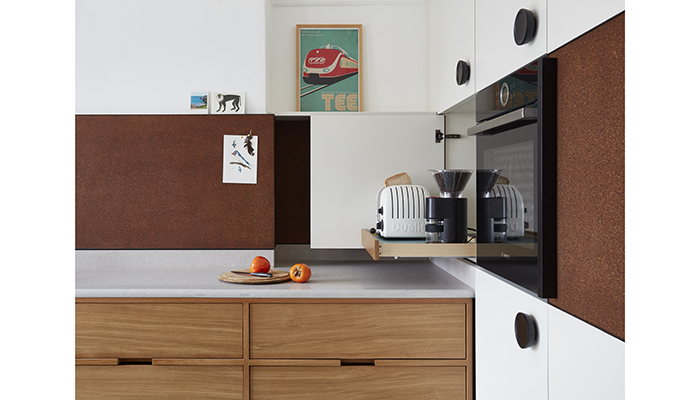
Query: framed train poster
[(329, 68)]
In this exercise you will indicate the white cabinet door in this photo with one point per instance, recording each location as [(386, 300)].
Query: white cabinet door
[(451, 40), (352, 155), (497, 53), (503, 369), (584, 362), (568, 19)]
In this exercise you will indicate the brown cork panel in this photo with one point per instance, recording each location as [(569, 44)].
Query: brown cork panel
[(591, 177), (155, 182), (293, 182)]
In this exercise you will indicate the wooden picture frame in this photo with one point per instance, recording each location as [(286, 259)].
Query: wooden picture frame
[(329, 68)]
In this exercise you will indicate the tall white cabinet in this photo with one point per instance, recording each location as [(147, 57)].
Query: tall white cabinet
[(569, 19), (570, 360), (497, 53), (451, 40), (584, 362), (503, 369)]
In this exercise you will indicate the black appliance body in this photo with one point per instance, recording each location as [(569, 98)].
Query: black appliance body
[(516, 134), (452, 212)]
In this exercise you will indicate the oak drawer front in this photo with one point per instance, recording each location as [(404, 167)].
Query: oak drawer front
[(158, 382), (361, 383), (368, 331), (159, 330)]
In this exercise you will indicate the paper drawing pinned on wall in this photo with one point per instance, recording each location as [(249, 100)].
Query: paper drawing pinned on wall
[(228, 103), (240, 163)]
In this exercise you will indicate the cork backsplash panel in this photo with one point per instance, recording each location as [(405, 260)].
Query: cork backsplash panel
[(591, 177), (155, 182)]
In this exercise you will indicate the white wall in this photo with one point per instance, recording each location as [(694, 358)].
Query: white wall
[(147, 56), (395, 44)]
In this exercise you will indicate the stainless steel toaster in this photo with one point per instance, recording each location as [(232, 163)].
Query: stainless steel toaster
[(515, 209), (401, 211)]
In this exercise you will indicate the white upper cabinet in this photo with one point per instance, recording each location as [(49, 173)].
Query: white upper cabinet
[(451, 41), (568, 19), (504, 370), (584, 362), (351, 156), (496, 50)]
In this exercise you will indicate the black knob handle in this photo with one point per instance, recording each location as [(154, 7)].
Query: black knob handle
[(463, 72), (524, 27), (525, 330)]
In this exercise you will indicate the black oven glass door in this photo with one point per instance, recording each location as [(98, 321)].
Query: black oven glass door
[(516, 177), (512, 153)]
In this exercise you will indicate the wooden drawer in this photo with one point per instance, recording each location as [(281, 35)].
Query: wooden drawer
[(361, 383), (358, 331), (158, 382), (151, 330)]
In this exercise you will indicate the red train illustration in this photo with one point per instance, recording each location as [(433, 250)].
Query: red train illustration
[(328, 64)]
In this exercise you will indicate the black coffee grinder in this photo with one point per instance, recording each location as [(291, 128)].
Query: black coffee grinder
[(446, 216), (491, 214)]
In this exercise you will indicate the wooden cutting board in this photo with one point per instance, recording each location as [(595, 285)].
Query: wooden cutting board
[(278, 275)]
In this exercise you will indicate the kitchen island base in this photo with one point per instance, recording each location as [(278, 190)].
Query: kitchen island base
[(374, 348)]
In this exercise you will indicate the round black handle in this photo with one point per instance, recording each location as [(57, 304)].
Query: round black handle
[(463, 72), (525, 330), (524, 27)]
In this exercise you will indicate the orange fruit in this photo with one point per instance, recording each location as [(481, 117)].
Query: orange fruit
[(300, 272), (260, 264)]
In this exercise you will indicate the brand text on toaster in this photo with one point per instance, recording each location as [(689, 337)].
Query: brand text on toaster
[(414, 227)]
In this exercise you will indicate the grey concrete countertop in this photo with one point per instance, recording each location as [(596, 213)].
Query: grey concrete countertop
[(329, 279)]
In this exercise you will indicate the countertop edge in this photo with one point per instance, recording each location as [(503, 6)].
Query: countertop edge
[(155, 293)]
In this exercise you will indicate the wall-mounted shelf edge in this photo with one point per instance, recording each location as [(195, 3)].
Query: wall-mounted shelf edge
[(378, 247)]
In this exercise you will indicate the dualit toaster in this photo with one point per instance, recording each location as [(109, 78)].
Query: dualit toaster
[(401, 211), (515, 209)]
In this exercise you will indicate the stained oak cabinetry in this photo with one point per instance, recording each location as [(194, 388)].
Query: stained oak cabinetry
[(158, 382), (268, 348), (160, 330), (358, 383), (387, 349), (158, 349), (358, 331)]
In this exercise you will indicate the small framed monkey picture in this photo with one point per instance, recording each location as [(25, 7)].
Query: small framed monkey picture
[(227, 103)]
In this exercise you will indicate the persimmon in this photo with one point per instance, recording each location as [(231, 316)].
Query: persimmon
[(260, 264), (300, 272)]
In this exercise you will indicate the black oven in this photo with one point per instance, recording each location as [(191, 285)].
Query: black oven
[(516, 176)]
